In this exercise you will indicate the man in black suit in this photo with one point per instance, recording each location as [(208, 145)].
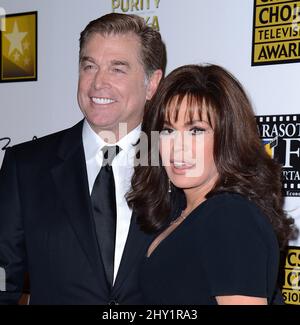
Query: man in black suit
[(49, 193)]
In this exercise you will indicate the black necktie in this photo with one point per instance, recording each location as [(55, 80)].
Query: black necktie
[(104, 209)]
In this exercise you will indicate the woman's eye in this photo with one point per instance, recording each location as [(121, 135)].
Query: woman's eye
[(197, 130), (166, 131)]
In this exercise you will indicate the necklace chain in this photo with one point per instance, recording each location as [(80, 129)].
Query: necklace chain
[(180, 218), (184, 213)]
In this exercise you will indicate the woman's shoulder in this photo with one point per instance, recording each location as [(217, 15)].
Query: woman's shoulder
[(233, 220), (231, 202), (231, 211), (227, 197)]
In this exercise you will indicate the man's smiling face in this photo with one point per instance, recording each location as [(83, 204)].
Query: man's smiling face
[(112, 85)]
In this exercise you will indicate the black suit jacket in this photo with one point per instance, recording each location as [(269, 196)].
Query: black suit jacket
[(47, 228)]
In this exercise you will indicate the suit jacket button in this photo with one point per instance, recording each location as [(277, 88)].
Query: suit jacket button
[(113, 302)]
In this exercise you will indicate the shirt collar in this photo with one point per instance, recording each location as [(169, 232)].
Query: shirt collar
[(92, 142)]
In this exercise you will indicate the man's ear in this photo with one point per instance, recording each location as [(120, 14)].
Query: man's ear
[(153, 83)]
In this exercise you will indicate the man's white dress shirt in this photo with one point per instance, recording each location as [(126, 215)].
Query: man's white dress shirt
[(123, 167)]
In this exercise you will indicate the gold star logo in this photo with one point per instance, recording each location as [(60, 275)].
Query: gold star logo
[(16, 57), (26, 61), (15, 38), (26, 45), (18, 47)]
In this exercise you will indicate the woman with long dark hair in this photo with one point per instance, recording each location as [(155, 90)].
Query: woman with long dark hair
[(223, 244)]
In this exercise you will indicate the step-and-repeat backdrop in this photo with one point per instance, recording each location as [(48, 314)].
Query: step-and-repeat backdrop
[(257, 40)]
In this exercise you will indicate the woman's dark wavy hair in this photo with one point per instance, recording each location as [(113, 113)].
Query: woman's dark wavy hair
[(243, 165)]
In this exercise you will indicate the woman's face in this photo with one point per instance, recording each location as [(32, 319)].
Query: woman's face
[(186, 149)]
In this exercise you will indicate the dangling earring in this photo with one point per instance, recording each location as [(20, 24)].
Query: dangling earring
[(170, 187)]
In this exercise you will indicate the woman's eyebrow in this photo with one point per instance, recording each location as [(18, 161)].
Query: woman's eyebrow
[(194, 122)]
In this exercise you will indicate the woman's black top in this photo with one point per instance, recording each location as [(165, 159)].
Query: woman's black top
[(226, 246)]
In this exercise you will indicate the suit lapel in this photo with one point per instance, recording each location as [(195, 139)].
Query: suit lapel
[(70, 177), (135, 247)]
